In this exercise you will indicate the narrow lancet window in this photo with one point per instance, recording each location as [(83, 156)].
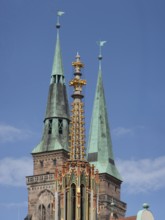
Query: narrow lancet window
[(66, 205), (60, 126), (42, 212), (58, 78), (73, 202), (82, 202), (50, 126), (50, 211)]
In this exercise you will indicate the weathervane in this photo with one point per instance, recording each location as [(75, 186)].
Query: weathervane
[(59, 13), (101, 44)]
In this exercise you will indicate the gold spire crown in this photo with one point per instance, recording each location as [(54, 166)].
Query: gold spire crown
[(77, 130)]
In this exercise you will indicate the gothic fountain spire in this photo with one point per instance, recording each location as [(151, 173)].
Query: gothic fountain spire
[(77, 184), (77, 131)]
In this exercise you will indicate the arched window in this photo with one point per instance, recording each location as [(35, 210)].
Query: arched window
[(82, 202), (73, 202), (42, 212)]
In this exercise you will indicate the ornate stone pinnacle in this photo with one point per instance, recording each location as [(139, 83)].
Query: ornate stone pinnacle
[(77, 131)]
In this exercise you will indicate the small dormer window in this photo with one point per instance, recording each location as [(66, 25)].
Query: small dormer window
[(50, 126), (58, 78), (60, 126)]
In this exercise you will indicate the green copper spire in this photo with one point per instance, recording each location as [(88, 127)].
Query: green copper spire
[(100, 146), (57, 63), (56, 122)]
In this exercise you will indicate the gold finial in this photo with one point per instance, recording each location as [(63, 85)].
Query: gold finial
[(78, 64), (77, 82)]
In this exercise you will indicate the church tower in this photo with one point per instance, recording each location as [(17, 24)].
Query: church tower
[(100, 153), (52, 151)]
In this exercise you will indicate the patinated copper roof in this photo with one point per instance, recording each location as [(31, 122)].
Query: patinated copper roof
[(100, 145)]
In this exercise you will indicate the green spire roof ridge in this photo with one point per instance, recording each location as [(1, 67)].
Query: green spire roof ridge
[(99, 145)]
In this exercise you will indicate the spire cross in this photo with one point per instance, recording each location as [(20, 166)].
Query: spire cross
[(100, 44), (59, 13)]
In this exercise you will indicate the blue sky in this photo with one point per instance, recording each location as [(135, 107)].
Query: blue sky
[(133, 73)]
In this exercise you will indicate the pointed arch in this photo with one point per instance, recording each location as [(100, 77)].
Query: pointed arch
[(73, 179), (83, 179), (45, 191), (44, 206)]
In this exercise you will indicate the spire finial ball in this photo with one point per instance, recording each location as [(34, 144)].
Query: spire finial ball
[(58, 26), (145, 206), (100, 57)]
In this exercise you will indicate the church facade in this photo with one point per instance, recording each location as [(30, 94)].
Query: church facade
[(68, 183)]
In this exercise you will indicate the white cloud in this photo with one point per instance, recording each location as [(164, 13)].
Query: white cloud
[(10, 133), (143, 175), (139, 176), (121, 131), (13, 171)]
